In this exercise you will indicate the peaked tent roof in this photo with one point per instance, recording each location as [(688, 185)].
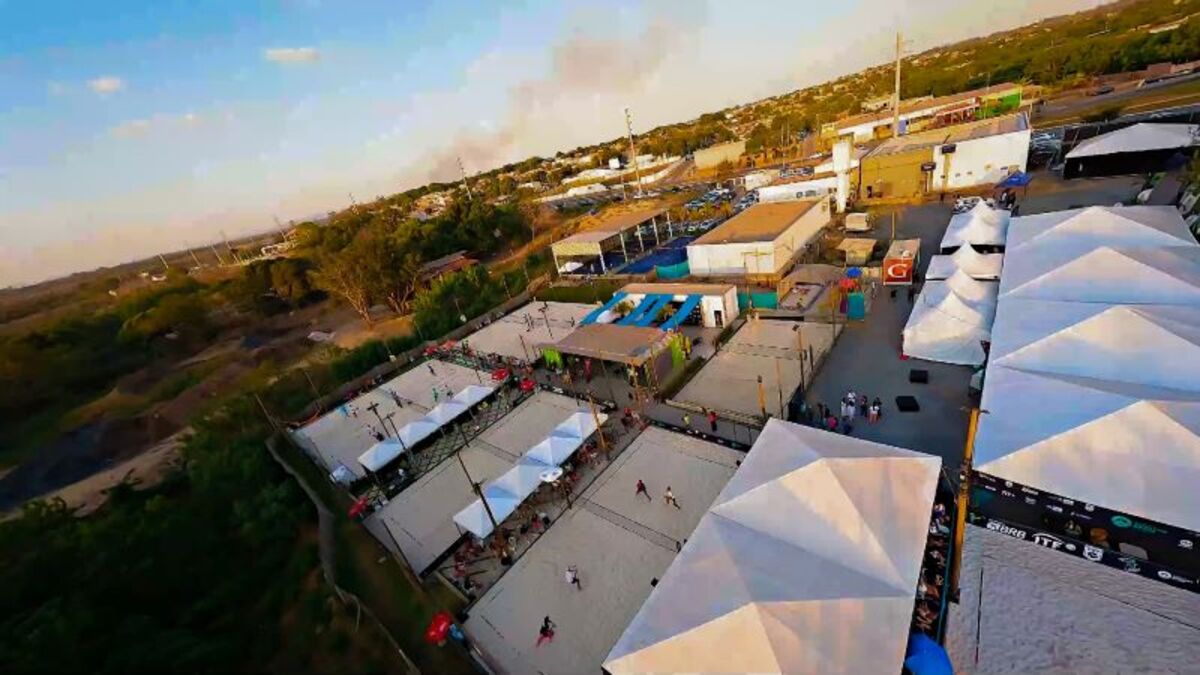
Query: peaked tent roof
[(947, 328), (1165, 275), (1087, 228), (971, 290), (1131, 448), (1141, 137), (983, 266), (982, 226), (1150, 346), (811, 551)]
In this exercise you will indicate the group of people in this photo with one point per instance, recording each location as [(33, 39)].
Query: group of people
[(933, 572), (851, 407)]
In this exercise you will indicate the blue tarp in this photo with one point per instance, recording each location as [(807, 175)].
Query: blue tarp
[(1018, 179), (927, 657), (633, 317), (595, 313), (651, 314), (683, 312)]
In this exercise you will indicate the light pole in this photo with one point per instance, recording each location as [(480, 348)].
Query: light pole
[(474, 486), (800, 349)]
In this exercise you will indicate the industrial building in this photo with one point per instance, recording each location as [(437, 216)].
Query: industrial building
[(1141, 148), (710, 158), (950, 158), (760, 242), (613, 240), (924, 113)]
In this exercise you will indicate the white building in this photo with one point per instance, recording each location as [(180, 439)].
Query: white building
[(800, 189), (982, 153), (761, 241), (590, 189), (718, 303)]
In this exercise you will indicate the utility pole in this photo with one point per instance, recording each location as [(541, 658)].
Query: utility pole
[(896, 92), (463, 171), (228, 248), (218, 254), (194, 258), (166, 267), (633, 150)]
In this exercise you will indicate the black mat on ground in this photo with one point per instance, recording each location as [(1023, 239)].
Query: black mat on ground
[(918, 376), (907, 404)]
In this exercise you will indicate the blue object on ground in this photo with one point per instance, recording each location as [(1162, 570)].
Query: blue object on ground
[(927, 657), (856, 306), (854, 273), (595, 313), (683, 312), (1018, 179)]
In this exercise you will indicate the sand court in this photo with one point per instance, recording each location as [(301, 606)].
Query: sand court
[(618, 541), (517, 334)]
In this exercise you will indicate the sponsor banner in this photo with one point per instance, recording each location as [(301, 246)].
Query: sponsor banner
[(1030, 508), (1079, 549)]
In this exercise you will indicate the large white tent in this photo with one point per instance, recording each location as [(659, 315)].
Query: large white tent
[(1141, 137), (807, 562), (1086, 228), (981, 226), (1093, 381), (1129, 447), (950, 320), (983, 266), (1145, 275)]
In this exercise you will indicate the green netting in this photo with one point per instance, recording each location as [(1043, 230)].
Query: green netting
[(759, 299), (553, 358), (676, 271)]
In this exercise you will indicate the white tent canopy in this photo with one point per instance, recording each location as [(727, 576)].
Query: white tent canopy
[(1129, 447), (947, 327), (385, 452), (1161, 275), (1141, 137), (983, 266), (981, 226), (1081, 230), (523, 479), (806, 562)]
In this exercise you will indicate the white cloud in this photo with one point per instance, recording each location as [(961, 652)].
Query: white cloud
[(157, 123), (106, 85), (131, 128), (291, 54)]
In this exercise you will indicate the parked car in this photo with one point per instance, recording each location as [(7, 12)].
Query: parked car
[(963, 204)]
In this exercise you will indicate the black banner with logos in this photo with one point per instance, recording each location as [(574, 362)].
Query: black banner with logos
[(1129, 543), (1103, 556)]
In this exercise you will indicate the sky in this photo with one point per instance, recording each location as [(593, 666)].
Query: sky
[(129, 128)]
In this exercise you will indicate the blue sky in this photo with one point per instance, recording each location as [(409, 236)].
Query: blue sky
[(127, 128)]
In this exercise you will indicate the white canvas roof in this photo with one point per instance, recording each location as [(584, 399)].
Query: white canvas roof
[(381, 454), (1136, 345), (1086, 228), (981, 294), (515, 485), (1165, 275), (806, 562), (1132, 448), (1138, 138), (982, 226), (948, 328), (983, 266)]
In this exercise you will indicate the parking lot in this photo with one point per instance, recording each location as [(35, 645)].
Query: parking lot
[(619, 542)]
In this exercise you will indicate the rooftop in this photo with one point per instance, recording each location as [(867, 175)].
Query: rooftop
[(761, 222), (679, 289), (617, 218), (930, 104), (611, 342), (953, 134)]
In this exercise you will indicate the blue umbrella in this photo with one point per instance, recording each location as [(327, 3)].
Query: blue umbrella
[(927, 657), (1018, 179), (853, 273)]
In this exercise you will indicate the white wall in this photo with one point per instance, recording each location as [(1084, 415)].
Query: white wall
[(982, 161), (763, 257), (799, 190), (709, 305)]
